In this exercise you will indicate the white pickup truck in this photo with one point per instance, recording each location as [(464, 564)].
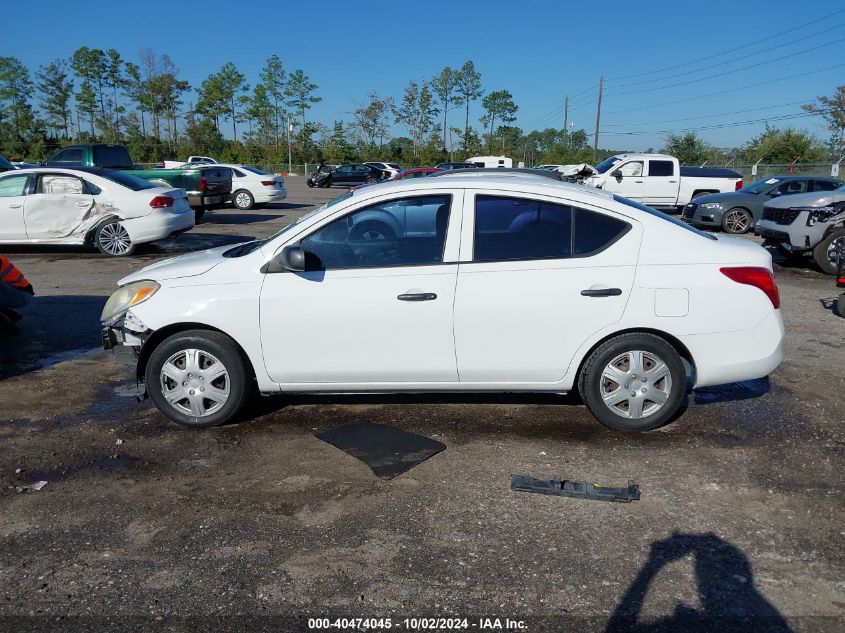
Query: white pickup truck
[(192, 160), (659, 181)]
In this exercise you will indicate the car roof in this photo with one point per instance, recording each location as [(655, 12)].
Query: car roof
[(514, 182)]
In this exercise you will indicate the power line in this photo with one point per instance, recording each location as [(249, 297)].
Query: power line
[(711, 116), (729, 72), (716, 126), (731, 50), (721, 92), (780, 45)]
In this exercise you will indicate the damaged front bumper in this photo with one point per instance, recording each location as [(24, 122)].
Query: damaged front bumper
[(125, 336)]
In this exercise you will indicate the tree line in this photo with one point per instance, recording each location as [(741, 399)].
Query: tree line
[(98, 96)]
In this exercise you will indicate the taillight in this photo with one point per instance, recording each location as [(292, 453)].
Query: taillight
[(203, 183), (268, 183), (161, 202), (761, 278), (738, 185)]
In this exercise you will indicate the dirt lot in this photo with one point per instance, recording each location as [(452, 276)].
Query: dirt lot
[(260, 525)]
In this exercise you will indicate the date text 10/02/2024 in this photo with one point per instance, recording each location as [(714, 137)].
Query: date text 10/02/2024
[(418, 624)]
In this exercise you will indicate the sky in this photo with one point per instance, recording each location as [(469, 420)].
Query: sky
[(668, 66)]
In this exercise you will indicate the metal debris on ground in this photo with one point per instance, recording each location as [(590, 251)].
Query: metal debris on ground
[(577, 489)]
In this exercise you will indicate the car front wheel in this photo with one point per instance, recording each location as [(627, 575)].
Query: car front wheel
[(826, 254), (736, 221), (633, 382), (197, 378)]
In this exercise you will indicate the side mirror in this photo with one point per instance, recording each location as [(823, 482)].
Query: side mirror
[(292, 258), (775, 193), (616, 173)]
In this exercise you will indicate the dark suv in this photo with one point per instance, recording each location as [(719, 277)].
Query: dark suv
[(355, 174)]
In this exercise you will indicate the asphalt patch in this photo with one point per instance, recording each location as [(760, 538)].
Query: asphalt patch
[(388, 451)]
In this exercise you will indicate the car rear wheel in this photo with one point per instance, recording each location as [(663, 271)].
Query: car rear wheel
[(633, 382), (112, 239), (197, 378), (826, 254), (839, 306), (243, 200), (736, 221)]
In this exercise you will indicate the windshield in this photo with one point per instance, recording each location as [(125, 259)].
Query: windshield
[(248, 247), (760, 186), (607, 164), (255, 170), (662, 216)]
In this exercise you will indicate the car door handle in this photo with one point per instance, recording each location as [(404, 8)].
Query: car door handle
[(417, 296), (640, 181), (82, 204), (602, 292), (673, 181), (15, 206)]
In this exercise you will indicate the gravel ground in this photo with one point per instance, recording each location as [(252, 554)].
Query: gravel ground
[(260, 525)]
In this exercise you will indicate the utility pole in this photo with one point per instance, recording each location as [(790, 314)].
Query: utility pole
[(565, 113), (290, 128), (598, 120)]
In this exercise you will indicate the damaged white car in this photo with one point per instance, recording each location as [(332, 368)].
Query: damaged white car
[(109, 209)]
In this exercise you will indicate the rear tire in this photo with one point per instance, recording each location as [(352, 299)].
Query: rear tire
[(736, 221), (243, 200), (111, 238), (633, 382), (827, 252), (197, 378)]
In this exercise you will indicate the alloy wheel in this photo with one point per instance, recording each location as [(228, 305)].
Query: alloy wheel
[(835, 250), (636, 384), (737, 221), (114, 239)]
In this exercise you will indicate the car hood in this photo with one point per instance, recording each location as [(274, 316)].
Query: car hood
[(189, 265), (729, 198), (818, 199)]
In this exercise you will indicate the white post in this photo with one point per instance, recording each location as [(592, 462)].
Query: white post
[(754, 168), (834, 168)]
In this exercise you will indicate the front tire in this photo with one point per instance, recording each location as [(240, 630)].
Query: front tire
[(736, 221), (197, 378), (111, 238), (633, 382), (243, 200), (826, 254), (839, 306)]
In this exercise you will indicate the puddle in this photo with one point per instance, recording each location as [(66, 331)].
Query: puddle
[(112, 463)]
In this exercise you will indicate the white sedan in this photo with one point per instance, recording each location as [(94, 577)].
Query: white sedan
[(252, 187), (391, 169), (110, 209), (483, 284)]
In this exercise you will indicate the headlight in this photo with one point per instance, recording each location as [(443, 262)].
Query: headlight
[(821, 214), (126, 297), (711, 205)]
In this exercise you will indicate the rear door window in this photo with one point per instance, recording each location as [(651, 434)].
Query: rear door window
[(112, 156), (825, 185), (661, 168), (519, 228)]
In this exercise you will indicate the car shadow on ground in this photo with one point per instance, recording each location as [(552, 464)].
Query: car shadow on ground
[(281, 206), (729, 600), (742, 390), (53, 329), (240, 218), (190, 242)]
